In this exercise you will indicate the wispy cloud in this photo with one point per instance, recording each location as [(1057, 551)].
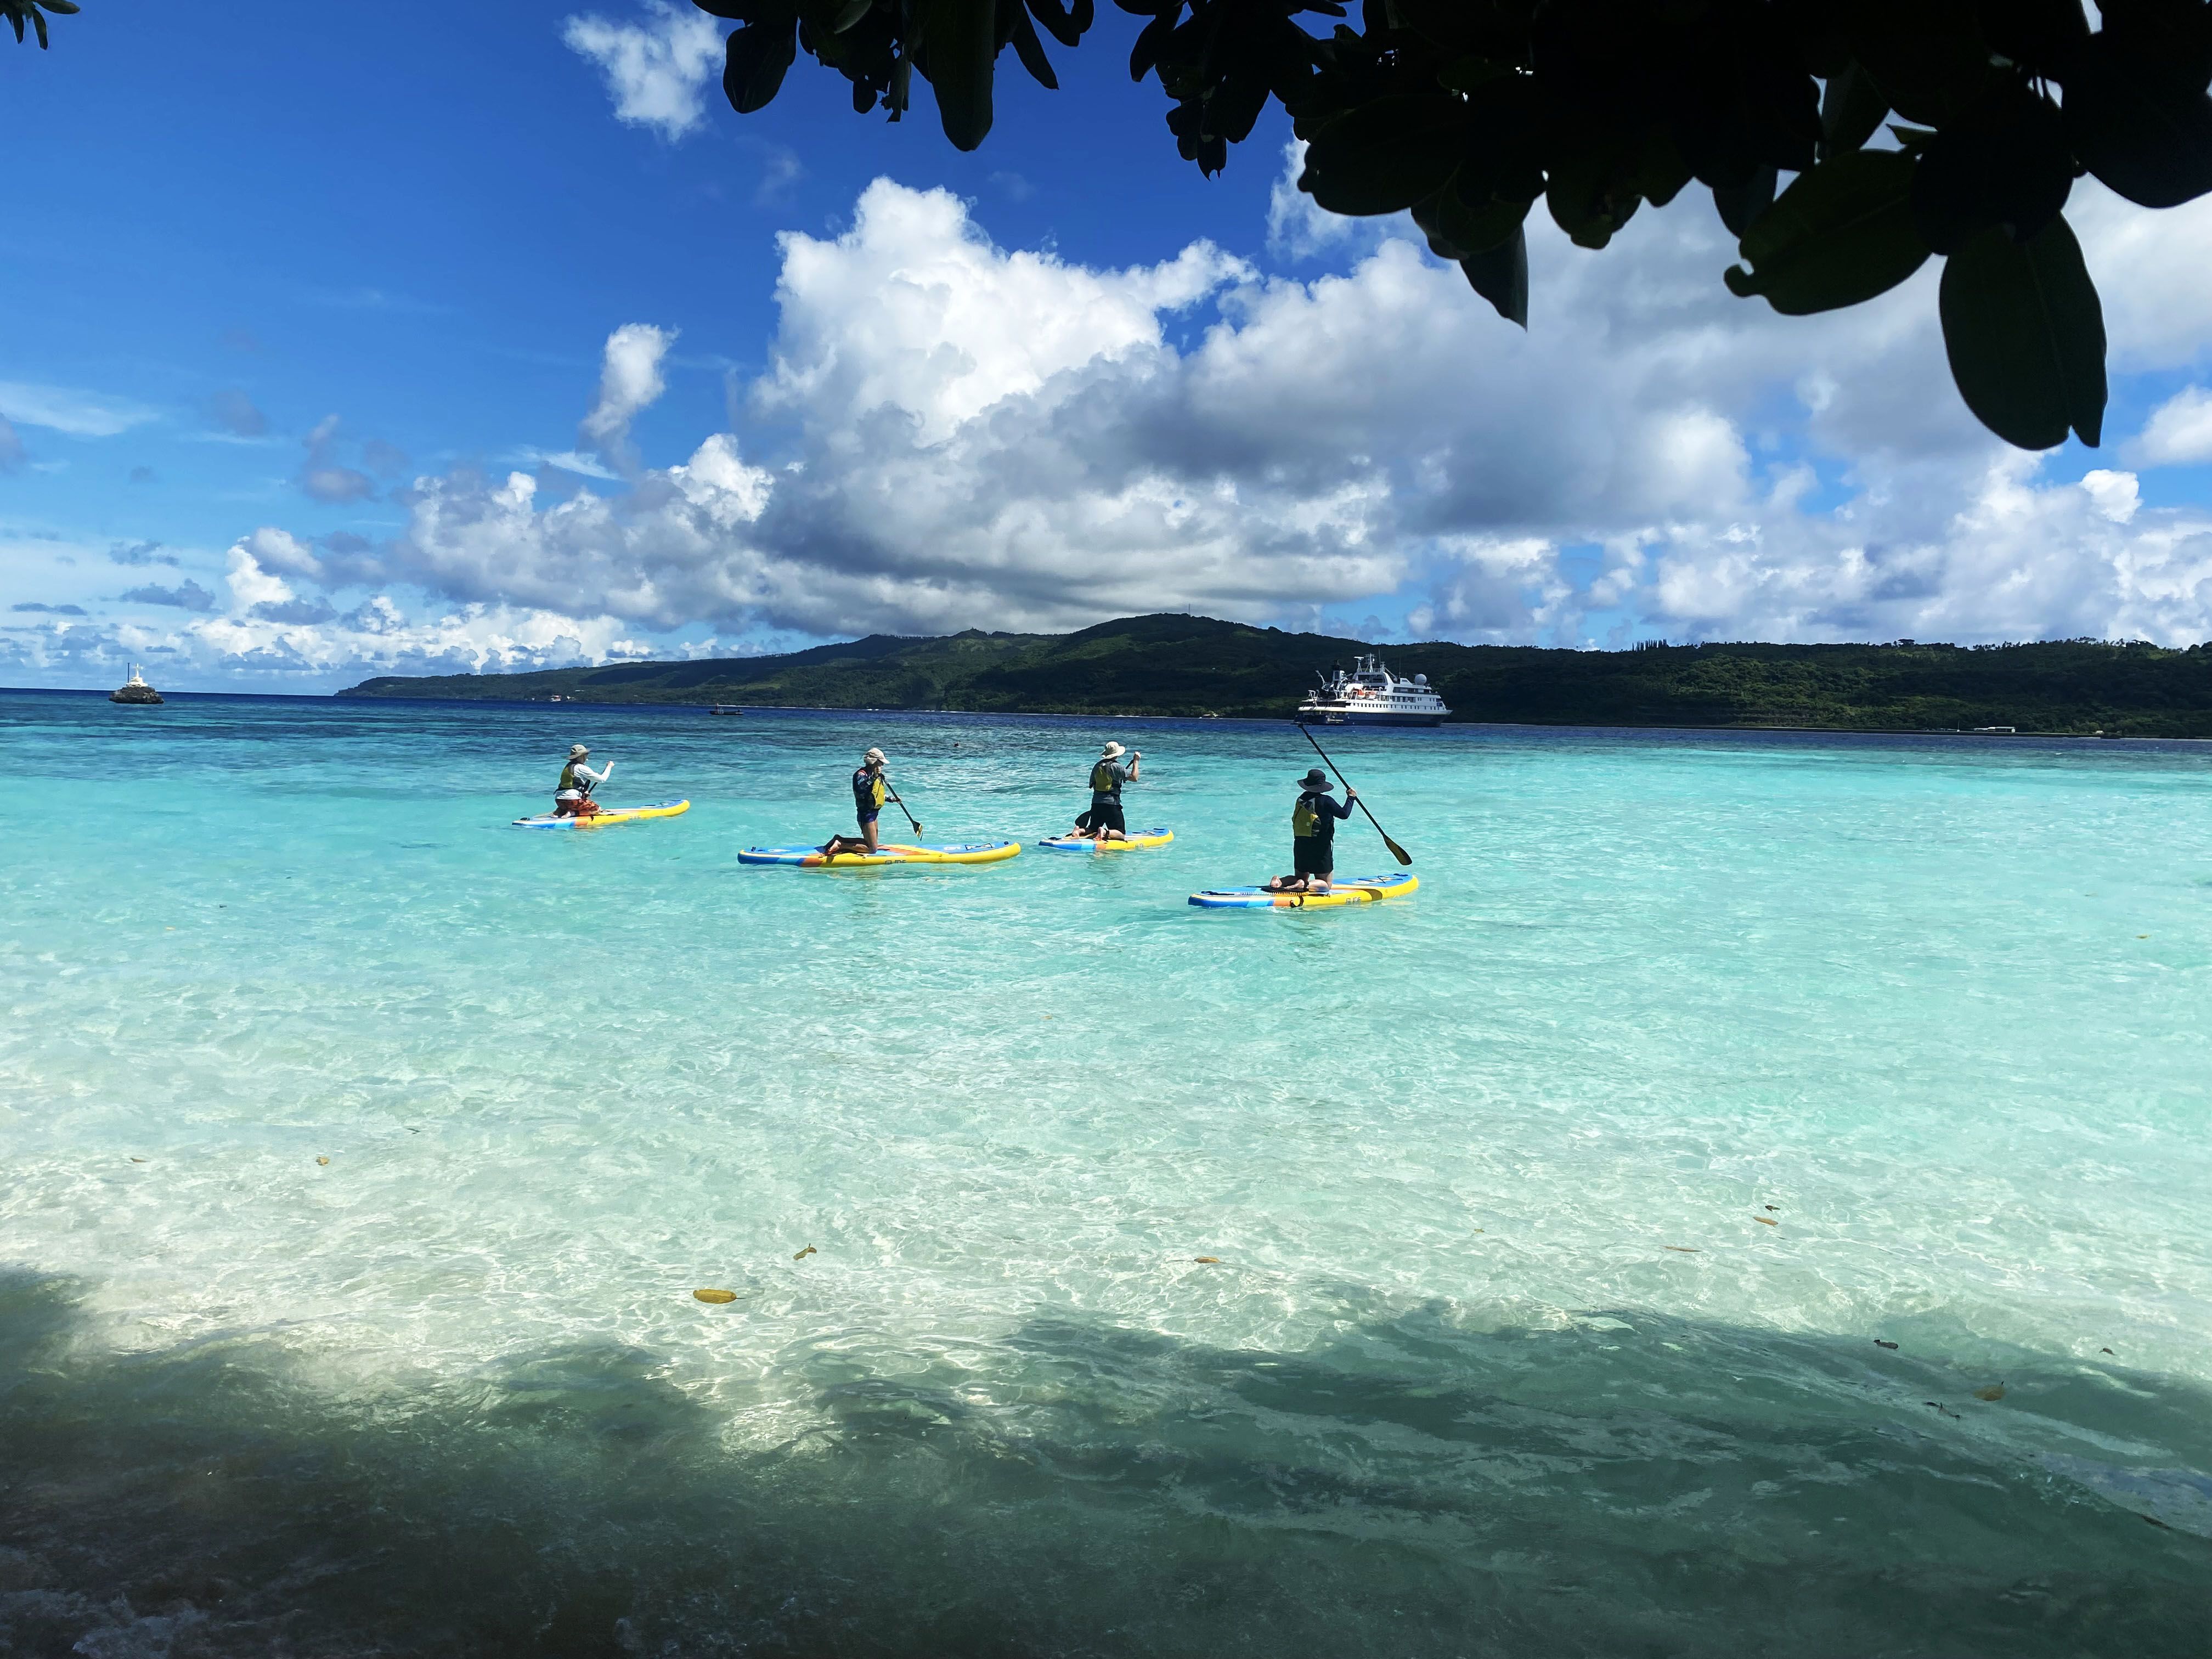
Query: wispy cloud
[(65, 409), (323, 478), (187, 595), (235, 413), (567, 460)]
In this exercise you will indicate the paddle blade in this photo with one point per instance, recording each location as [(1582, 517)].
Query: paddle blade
[(1397, 852)]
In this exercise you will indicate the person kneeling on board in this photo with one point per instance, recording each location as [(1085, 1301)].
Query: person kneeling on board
[(1103, 821), (572, 796), (871, 788), (1313, 835)]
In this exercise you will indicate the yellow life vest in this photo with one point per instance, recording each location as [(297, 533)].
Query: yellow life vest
[(1303, 819), (1102, 778)]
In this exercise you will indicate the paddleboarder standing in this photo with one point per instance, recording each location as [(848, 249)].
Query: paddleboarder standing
[(1313, 835)]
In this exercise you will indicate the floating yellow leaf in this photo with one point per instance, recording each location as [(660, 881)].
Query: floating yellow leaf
[(1214, 1259), (715, 1296), (1995, 1391), (1687, 1249), (1766, 1221), (137, 1160), (804, 1253), (322, 1160)]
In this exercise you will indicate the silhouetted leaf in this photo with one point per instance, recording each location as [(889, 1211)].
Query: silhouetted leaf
[(1384, 157), (1057, 21), (1929, 57), (2010, 166), (1031, 51), (1501, 276), (2026, 335), (2142, 131), (1740, 209), (1457, 230), (1592, 194), (959, 43), (755, 59), (1852, 111), (2042, 36), (1841, 233), (2173, 37)]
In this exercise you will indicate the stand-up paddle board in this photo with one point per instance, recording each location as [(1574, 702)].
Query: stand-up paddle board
[(1072, 843), (1365, 889), (604, 816), (811, 858)]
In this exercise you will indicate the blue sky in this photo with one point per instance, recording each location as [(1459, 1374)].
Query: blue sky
[(299, 296)]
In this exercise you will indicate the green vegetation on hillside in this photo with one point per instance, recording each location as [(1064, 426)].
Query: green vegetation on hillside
[(1171, 664)]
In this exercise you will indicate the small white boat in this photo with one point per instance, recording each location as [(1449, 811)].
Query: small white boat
[(1370, 695)]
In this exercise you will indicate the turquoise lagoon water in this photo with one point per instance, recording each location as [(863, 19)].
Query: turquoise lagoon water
[(1498, 1356)]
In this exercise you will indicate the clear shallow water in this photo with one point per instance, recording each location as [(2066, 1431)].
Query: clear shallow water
[(1447, 1390)]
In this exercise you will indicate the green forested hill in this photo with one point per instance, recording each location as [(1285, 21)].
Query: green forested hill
[(1172, 664)]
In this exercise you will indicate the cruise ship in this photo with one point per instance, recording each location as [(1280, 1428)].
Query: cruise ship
[(1371, 696)]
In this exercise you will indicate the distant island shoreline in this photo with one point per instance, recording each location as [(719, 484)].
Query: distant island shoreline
[(1180, 667)]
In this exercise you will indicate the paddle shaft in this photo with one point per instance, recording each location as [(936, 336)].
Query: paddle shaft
[(910, 817), (1396, 850)]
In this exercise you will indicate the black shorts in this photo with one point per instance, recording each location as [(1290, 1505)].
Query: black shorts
[(1105, 817), (867, 821), (1311, 856)]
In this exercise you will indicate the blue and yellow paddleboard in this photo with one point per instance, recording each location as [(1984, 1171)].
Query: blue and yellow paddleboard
[(1071, 843), (811, 858), (1363, 889), (605, 816)]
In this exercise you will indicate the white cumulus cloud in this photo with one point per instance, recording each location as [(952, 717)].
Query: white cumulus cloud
[(953, 433), (630, 382), (657, 70), (2179, 432)]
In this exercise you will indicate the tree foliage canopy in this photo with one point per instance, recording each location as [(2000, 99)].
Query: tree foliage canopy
[(1467, 112), (19, 12)]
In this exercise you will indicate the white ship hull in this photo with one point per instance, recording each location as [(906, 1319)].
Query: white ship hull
[(1321, 714)]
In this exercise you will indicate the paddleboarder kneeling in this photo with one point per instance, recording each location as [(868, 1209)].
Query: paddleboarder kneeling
[(1313, 835), (1103, 821), (871, 788), (572, 796)]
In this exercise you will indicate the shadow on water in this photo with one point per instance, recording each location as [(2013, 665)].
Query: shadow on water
[(1624, 1485)]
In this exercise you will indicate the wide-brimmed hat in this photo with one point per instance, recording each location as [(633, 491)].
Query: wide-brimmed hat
[(577, 751), (876, 756), (1112, 751), (1316, 781)]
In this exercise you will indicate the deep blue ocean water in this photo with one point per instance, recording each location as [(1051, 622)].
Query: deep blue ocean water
[(1500, 1355)]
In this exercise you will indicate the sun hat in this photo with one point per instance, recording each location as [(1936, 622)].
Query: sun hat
[(577, 751), (875, 754), (1316, 781), (1112, 751)]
